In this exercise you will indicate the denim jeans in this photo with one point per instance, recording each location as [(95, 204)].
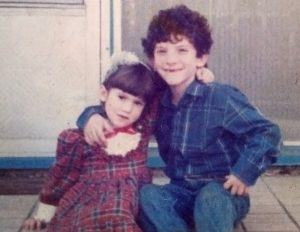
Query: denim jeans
[(176, 208)]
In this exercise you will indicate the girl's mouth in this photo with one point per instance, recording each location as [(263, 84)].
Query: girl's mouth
[(123, 117)]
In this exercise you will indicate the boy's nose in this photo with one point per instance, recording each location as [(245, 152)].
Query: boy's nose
[(171, 59)]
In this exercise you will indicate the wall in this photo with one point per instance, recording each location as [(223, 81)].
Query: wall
[(49, 71), (51, 61), (256, 49)]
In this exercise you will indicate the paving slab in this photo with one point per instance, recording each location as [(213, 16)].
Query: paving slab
[(269, 223), (275, 206), (266, 212), (262, 200), (13, 210), (295, 213), (16, 206), (286, 189), (10, 224)]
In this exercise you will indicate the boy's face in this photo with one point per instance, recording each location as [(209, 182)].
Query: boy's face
[(176, 61), (122, 108)]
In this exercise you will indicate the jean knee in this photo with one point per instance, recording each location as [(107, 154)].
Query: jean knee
[(213, 196), (156, 197), (148, 190), (212, 189), (149, 193)]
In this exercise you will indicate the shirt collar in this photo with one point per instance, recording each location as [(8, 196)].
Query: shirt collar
[(195, 89)]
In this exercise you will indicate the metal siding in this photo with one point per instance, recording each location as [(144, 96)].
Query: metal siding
[(44, 1), (256, 48)]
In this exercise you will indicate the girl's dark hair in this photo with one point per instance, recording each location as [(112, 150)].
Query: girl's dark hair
[(174, 22), (136, 79)]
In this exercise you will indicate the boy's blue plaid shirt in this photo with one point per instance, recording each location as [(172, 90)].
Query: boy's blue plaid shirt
[(212, 132)]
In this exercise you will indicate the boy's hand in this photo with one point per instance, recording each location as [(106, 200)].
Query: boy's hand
[(95, 130), (32, 224), (236, 186), (205, 75)]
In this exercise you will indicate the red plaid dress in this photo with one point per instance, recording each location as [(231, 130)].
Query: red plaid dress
[(94, 191)]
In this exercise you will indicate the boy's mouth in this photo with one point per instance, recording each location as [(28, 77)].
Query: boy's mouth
[(173, 70)]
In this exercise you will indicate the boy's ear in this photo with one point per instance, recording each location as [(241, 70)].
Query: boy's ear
[(151, 63), (201, 62), (103, 93)]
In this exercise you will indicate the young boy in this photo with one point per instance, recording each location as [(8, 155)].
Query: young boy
[(215, 144)]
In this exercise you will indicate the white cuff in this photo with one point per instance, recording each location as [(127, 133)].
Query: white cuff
[(44, 212)]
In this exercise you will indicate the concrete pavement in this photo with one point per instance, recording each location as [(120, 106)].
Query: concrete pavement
[(275, 206)]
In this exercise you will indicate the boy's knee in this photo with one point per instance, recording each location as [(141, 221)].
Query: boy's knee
[(212, 190), (213, 196), (155, 197)]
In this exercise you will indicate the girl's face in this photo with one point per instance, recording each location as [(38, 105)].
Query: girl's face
[(122, 108)]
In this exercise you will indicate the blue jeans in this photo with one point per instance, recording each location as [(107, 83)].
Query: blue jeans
[(176, 208)]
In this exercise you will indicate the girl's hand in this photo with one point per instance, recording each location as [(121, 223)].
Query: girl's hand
[(236, 186), (205, 75), (32, 224), (95, 130)]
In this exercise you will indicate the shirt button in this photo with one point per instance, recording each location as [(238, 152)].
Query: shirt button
[(164, 127)]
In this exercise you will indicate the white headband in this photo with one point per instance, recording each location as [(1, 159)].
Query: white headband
[(123, 58)]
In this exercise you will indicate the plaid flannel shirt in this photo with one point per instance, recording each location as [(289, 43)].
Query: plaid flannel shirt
[(212, 132)]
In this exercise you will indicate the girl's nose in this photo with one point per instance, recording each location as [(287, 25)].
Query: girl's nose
[(127, 106)]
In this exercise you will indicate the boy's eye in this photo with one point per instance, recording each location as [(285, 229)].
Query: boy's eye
[(183, 50), (161, 51)]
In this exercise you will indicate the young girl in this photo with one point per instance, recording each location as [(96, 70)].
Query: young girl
[(95, 188)]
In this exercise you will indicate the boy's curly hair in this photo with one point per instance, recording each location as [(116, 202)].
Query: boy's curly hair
[(174, 22)]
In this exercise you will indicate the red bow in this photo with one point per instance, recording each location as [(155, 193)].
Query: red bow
[(127, 129)]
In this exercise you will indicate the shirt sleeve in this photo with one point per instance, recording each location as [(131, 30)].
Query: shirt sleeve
[(66, 169), (259, 136), (87, 113), (145, 174)]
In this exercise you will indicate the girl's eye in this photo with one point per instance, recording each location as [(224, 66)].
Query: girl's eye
[(139, 103), (121, 97)]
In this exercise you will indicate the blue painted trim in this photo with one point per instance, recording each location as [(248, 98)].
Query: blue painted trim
[(288, 160), (290, 156), (26, 162), (154, 161)]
